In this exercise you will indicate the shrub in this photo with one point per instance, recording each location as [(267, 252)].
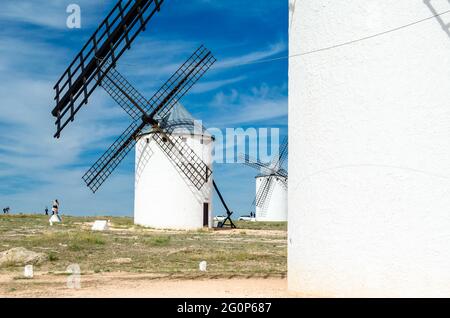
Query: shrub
[(52, 257), (159, 241)]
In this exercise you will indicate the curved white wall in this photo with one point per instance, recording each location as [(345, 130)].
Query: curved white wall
[(165, 199), (369, 192), (277, 206)]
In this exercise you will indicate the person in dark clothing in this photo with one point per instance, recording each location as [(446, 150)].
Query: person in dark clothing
[(55, 207), (46, 210)]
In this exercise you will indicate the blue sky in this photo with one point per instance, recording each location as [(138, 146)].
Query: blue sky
[(36, 46)]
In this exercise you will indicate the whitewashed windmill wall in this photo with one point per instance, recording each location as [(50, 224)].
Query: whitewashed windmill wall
[(369, 192), (275, 208), (164, 198)]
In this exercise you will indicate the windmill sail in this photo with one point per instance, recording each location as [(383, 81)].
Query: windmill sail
[(111, 39), (146, 112), (181, 82), (120, 89), (124, 94), (263, 192), (109, 161), (282, 173), (265, 168), (279, 161), (184, 158), (284, 153)]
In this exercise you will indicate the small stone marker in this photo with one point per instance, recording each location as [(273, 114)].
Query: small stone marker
[(122, 261), (203, 265), (28, 271), (100, 226)]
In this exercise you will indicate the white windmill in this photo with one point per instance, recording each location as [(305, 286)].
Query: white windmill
[(271, 187), (371, 149), (173, 201), (188, 156), (173, 177)]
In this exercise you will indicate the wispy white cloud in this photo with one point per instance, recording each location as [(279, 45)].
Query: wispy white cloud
[(253, 56), (45, 13), (49, 14), (263, 103), (34, 167), (208, 86), (170, 54)]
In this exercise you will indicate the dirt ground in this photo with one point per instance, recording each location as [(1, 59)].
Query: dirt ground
[(121, 285)]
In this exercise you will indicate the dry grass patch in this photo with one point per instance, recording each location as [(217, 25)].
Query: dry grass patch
[(256, 249)]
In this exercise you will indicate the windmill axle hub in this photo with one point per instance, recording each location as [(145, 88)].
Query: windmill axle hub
[(149, 120)]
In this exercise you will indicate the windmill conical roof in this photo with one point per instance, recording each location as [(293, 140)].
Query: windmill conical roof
[(180, 120)]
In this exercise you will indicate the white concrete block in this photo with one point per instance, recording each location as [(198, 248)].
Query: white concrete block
[(28, 271), (203, 266), (100, 225)]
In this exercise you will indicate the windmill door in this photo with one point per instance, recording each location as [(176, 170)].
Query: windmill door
[(205, 214)]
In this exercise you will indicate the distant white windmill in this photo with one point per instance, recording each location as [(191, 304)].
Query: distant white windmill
[(271, 186)]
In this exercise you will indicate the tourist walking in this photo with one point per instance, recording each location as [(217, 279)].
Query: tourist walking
[(55, 209)]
